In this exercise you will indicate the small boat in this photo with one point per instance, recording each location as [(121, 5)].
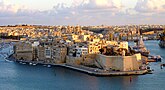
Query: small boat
[(30, 63), (23, 63), (8, 60), (48, 66), (162, 65), (44, 65), (157, 58), (34, 64), (149, 71)]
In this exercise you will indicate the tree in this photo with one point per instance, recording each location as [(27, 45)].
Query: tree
[(101, 50)]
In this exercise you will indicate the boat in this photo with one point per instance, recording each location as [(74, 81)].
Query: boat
[(48, 66), (162, 40), (157, 58), (8, 60), (34, 64), (23, 63), (44, 65), (162, 66), (150, 71), (140, 47), (30, 63)]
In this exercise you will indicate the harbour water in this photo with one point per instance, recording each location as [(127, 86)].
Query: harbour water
[(15, 76)]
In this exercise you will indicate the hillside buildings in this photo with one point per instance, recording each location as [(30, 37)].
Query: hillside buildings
[(76, 46)]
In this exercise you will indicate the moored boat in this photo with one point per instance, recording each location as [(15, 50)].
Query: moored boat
[(23, 63), (157, 58), (49, 66), (162, 40), (34, 64), (30, 63)]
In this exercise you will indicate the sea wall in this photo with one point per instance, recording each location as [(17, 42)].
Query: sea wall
[(74, 60), (84, 60), (110, 62), (119, 63), (24, 55)]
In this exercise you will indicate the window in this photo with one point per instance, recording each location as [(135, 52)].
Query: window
[(85, 52), (90, 50), (84, 49), (48, 53)]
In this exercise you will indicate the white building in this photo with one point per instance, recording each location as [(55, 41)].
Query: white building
[(81, 51), (85, 37)]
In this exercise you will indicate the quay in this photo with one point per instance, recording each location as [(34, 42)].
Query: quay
[(98, 72), (88, 70)]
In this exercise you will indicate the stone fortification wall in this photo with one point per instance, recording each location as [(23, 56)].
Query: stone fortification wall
[(110, 62), (130, 63), (74, 60), (23, 55), (89, 59), (121, 63), (84, 60)]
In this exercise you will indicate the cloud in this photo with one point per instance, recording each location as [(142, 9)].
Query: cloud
[(150, 6), (101, 4), (88, 7), (11, 10), (84, 12), (6, 9), (81, 12)]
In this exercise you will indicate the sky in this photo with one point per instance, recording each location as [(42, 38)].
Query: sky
[(82, 12)]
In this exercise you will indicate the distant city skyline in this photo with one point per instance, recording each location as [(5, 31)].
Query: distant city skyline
[(82, 12)]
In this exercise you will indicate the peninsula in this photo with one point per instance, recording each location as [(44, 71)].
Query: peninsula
[(78, 48)]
